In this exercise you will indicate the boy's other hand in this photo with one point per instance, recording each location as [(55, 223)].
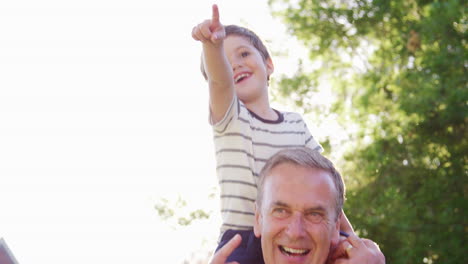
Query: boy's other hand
[(210, 30), (355, 250), (223, 254)]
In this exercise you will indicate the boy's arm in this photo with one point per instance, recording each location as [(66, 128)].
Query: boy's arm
[(217, 67)]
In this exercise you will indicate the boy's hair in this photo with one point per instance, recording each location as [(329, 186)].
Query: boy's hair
[(249, 35), (307, 158)]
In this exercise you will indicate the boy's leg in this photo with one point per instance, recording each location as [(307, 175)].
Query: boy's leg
[(249, 251)]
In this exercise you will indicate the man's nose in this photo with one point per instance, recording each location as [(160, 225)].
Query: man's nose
[(296, 226)]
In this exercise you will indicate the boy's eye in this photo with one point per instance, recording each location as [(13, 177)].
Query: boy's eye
[(244, 54)]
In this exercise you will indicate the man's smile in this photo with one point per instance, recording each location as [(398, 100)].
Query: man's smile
[(293, 252)]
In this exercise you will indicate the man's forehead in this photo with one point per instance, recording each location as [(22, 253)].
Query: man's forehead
[(290, 172), (285, 184)]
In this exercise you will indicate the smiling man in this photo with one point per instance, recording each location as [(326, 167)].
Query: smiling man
[(298, 208)]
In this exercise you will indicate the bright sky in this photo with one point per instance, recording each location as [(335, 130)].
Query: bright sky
[(102, 112)]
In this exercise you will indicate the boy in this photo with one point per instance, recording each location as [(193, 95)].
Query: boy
[(247, 131)]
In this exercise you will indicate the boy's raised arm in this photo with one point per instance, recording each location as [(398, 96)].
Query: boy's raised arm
[(217, 67)]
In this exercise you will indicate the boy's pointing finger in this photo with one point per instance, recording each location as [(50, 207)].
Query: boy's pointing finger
[(215, 16)]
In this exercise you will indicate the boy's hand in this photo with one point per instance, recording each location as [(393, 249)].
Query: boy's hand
[(355, 250), (211, 30), (222, 255)]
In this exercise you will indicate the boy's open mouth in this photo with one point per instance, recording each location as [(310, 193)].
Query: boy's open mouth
[(241, 77), (293, 252)]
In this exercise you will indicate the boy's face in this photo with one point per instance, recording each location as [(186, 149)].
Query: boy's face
[(250, 71)]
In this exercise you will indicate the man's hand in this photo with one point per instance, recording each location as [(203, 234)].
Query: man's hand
[(222, 255), (211, 30), (355, 250)]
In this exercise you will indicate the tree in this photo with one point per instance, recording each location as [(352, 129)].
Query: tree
[(398, 70), (176, 213)]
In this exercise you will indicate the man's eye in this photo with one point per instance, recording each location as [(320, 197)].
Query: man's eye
[(245, 54), (280, 212), (315, 217)]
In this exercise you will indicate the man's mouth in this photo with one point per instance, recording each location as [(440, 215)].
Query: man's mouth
[(241, 77), (293, 252)]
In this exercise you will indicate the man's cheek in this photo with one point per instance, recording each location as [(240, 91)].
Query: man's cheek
[(336, 241), (335, 237)]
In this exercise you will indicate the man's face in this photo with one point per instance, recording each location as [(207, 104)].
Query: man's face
[(297, 220)]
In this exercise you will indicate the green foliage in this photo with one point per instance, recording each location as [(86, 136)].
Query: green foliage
[(399, 72), (163, 209), (166, 210)]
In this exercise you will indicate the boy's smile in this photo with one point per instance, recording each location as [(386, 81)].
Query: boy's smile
[(241, 76)]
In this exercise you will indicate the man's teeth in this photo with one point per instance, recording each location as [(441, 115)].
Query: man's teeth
[(241, 76), (295, 251)]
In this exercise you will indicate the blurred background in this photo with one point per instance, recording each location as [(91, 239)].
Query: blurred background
[(106, 154)]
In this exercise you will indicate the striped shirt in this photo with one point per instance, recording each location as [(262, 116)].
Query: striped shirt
[(243, 143)]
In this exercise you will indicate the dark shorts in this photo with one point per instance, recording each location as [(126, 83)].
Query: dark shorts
[(249, 251)]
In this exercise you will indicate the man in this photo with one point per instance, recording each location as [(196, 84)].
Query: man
[(298, 208)]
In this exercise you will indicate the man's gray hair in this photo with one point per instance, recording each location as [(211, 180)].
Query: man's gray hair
[(307, 158)]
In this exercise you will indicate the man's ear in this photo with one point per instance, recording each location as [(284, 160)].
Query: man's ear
[(258, 222), (336, 233)]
